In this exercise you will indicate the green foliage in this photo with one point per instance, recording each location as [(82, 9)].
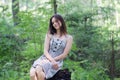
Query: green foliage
[(117, 67), (92, 28), (13, 75), (79, 73), (90, 24)]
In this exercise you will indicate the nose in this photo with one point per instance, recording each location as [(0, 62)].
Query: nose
[(55, 24)]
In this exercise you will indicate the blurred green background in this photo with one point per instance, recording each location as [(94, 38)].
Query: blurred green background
[(94, 25)]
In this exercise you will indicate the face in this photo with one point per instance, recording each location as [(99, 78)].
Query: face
[(56, 23)]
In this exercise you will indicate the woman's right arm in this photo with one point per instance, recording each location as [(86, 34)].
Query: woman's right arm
[(46, 48)]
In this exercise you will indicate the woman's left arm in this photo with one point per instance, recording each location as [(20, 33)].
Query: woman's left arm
[(66, 50)]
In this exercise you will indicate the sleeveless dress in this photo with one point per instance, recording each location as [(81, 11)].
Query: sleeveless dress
[(56, 47)]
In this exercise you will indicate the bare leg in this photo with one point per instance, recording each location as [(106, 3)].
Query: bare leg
[(40, 74), (32, 74)]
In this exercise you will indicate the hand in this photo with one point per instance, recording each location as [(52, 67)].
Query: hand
[(54, 65)]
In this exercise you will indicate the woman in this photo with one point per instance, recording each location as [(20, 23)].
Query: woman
[(56, 47)]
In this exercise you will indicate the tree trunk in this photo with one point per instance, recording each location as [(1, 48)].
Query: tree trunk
[(15, 10), (55, 7), (112, 64)]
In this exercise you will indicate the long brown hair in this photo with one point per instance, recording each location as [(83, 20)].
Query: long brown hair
[(63, 28)]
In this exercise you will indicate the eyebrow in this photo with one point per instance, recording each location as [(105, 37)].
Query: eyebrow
[(56, 20)]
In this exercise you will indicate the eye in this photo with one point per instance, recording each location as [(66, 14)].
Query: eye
[(52, 22), (56, 21)]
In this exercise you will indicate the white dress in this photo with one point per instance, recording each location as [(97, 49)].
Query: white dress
[(56, 48)]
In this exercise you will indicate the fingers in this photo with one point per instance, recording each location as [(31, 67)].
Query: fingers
[(55, 66)]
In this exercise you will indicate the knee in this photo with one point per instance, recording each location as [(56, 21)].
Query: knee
[(32, 72), (38, 70)]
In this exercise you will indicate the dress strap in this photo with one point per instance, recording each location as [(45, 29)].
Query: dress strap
[(52, 36)]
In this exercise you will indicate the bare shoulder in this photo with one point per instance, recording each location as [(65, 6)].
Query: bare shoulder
[(48, 35), (69, 37)]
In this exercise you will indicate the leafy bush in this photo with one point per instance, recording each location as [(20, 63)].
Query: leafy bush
[(79, 73)]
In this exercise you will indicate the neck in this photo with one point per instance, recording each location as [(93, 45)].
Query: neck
[(58, 32)]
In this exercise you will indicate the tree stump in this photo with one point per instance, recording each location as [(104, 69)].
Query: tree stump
[(64, 74)]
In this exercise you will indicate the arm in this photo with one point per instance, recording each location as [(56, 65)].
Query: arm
[(46, 48), (66, 50)]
